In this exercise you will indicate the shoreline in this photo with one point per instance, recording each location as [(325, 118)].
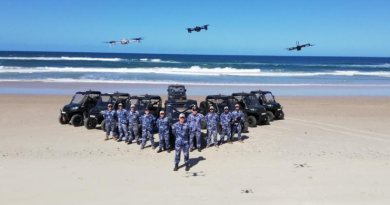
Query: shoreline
[(137, 88)]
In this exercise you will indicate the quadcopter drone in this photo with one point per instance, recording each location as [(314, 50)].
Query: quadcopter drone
[(299, 47), (198, 28), (124, 41)]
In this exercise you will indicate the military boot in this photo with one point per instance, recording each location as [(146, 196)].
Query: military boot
[(114, 138), (176, 167), (188, 167), (106, 138), (169, 150), (241, 141), (159, 150), (199, 150), (138, 142), (129, 142), (192, 149)]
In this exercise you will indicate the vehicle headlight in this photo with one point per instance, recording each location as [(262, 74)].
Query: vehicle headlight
[(253, 109), (102, 112), (269, 105), (74, 108)]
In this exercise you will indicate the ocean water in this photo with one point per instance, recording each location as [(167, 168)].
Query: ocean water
[(194, 69)]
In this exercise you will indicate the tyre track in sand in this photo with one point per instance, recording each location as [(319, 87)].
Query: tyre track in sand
[(340, 129)]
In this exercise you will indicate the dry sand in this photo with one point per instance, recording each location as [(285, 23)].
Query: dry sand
[(329, 150)]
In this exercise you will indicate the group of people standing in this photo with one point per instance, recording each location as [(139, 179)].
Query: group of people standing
[(185, 130)]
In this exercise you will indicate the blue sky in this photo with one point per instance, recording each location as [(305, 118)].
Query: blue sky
[(237, 27)]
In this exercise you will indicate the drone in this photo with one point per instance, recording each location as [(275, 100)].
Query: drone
[(299, 47), (124, 41), (198, 28)]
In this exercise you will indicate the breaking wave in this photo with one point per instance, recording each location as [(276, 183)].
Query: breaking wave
[(194, 70)]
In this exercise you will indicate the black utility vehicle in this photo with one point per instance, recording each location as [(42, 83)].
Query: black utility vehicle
[(78, 109), (274, 109), (177, 92), (219, 102), (254, 112), (173, 108), (141, 102), (96, 113)]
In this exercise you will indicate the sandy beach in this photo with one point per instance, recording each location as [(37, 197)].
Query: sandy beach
[(328, 150)]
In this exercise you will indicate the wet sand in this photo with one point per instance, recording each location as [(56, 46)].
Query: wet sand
[(328, 150)]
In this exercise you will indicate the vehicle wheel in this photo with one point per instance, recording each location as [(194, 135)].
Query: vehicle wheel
[(77, 120), (103, 125), (267, 121), (280, 115), (271, 116), (245, 128), (140, 130), (90, 124), (204, 125), (252, 122), (63, 120)]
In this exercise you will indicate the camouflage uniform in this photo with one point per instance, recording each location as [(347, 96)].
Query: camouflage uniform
[(122, 123), (147, 128), (195, 122), (226, 118), (182, 131), (133, 118), (163, 132), (237, 124), (110, 116), (212, 123)]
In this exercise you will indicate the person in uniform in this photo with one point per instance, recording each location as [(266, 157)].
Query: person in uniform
[(122, 123), (181, 130), (195, 120), (212, 120), (147, 121), (109, 116), (225, 121), (238, 116), (133, 119), (163, 132)]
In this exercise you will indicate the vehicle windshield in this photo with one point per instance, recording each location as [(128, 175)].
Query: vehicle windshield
[(140, 105), (174, 110), (219, 104), (268, 97), (104, 100), (231, 104), (179, 89), (251, 100), (77, 99)]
